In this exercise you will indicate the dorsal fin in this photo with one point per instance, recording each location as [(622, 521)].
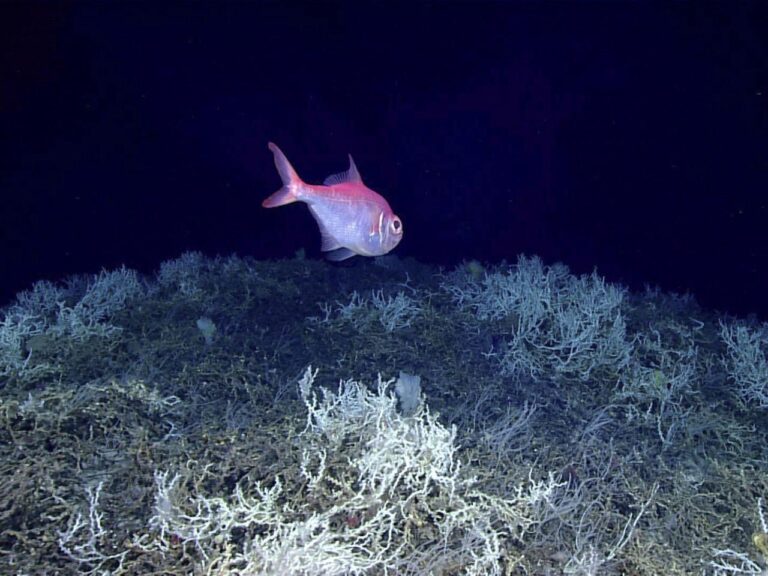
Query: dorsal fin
[(350, 175)]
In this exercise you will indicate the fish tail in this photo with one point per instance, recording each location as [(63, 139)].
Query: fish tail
[(292, 184)]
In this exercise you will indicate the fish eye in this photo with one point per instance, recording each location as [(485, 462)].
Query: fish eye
[(396, 226)]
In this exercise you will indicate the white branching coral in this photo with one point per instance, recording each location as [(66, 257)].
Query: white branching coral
[(99, 298), (377, 492), (84, 309), (746, 361), (553, 322), (391, 312)]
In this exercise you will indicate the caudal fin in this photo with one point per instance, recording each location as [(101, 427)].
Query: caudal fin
[(291, 181)]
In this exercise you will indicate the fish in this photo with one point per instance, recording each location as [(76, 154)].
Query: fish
[(353, 219)]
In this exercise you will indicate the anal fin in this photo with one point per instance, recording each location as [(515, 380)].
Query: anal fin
[(340, 254)]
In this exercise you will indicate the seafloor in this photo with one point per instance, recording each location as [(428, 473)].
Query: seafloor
[(561, 425)]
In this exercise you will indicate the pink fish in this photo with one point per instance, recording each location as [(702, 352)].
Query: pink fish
[(353, 219)]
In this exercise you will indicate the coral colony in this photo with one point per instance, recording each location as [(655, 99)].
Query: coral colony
[(231, 416)]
